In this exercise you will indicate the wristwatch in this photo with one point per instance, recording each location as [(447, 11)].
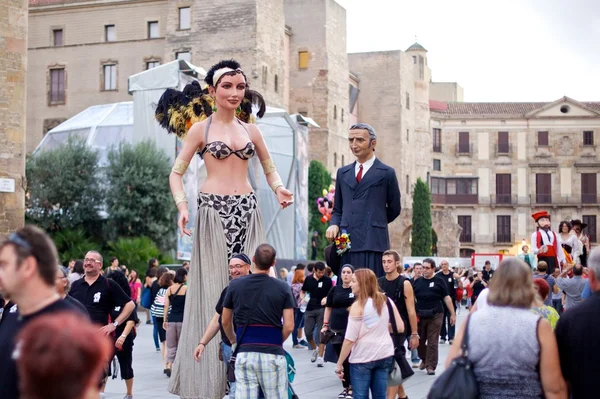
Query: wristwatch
[(115, 323)]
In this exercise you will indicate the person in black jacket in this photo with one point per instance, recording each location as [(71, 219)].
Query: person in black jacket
[(335, 320)]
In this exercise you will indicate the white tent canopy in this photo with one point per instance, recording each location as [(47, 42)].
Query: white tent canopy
[(100, 126)]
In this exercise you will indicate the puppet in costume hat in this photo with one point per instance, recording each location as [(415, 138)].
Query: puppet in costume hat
[(544, 242)]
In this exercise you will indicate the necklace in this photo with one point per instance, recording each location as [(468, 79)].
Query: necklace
[(345, 286)]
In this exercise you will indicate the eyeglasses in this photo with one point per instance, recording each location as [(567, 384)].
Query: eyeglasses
[(91, 260), (237, 266)]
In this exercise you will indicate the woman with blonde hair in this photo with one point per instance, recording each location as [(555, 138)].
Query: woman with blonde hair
[(514, 351), (367, 340)]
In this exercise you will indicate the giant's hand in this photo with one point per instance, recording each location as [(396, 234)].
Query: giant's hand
[(285, 197), (332, 232), (184, 217)]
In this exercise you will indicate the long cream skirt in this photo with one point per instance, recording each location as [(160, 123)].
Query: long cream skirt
[(225, 225)]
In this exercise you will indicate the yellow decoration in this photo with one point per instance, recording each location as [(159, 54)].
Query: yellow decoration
[(179, 197), (180, 166), (268, 166)]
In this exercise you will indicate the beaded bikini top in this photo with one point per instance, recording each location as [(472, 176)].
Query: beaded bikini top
[(220, 150)]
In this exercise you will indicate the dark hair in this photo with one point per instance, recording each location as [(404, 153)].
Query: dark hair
[(300, 266), (393, 254), (577, 270), (166, 280), (430, 261), (78, 267), (487, 262), (264, 256), (32, 241), (160, 271), (151, 263), (152, 272), (310, 267), (564, 223), (417, 264), (319, 266), (119, 277), (112, 259), (50, 365), (180, 275)]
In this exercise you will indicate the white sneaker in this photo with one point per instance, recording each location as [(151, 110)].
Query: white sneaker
[(314, 356), (320, 362)]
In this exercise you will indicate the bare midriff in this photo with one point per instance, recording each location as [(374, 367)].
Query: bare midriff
[(226, 176)]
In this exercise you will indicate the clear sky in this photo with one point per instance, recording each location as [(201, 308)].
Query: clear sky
[(497, 50)]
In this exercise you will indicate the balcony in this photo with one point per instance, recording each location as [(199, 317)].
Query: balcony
[(464, 150), (455, 199), (589, 198), (543, 198), (504, 238), (503, 199), (503, 149)]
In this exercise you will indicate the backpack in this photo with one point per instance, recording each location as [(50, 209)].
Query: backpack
[(399, 298)]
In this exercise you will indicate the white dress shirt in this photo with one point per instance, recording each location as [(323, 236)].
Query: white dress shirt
[(366, 166), (549, 241)]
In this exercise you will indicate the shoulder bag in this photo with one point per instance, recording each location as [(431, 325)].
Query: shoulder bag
[(401, 370), (231, 365), (457, 381)]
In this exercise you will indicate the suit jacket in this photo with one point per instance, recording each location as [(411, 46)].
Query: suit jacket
[(364, 209)]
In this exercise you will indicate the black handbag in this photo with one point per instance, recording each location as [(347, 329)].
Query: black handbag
[(231, 364), (400, 361), (426, 313), (457, 381)]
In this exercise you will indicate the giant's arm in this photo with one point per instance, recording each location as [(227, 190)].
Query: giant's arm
[(393, 197), (338, 202)]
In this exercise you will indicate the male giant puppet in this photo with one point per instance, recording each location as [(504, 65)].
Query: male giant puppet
[(544, 243), (367, 198)]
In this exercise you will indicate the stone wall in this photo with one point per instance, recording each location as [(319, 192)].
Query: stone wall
[(13, 70), (251, 32)]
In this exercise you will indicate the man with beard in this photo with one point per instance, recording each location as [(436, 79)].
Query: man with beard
[(544, 243)]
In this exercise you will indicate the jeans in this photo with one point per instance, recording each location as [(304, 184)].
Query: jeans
[(557, 304), (371, 375), (226, 349), (298, 317), (446, 321), (429, 331), (155, 333), (414, 356)]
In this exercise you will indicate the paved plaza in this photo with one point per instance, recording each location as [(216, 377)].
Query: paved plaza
[(311, 381)]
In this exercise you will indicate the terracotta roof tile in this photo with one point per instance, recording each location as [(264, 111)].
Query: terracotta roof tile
[(456, 108)]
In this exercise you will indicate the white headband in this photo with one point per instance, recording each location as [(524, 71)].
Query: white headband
[(220, 72)]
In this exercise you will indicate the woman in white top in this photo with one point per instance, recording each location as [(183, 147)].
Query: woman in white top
[(567, 239), (368, 337)]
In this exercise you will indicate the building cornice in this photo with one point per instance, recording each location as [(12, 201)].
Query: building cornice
[(77, 4), (95, 44)]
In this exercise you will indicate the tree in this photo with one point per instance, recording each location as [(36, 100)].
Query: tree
[(421, 220), (63, 190), (134, 252), (73, 244), (138, 198), (318, 179)]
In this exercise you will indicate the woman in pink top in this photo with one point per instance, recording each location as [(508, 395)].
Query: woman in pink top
[(136, 287), (368, 338)]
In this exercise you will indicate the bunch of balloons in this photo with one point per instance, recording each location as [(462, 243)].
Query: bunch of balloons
[(325, 203)]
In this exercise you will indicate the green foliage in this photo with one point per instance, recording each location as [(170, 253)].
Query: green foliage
[(73, 244), (318, 179), (63, 191), (138, 198), (133, 252), (421, 220)]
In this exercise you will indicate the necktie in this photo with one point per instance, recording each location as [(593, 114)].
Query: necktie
[(359, 175)]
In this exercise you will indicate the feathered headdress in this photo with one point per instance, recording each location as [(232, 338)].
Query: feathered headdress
[(177, 111)]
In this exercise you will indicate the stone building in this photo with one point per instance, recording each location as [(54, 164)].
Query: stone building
[(494, 164), (13, 73)]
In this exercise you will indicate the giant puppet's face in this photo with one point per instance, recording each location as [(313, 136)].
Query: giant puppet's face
[(544, 223)]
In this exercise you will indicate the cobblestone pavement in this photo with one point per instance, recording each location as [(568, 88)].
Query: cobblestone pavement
[(311, 381)]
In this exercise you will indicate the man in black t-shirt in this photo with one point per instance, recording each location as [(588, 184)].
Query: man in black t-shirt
[(239, 266), (487, 272), (399, 289), (317, 286), (453, 282), (101, 296), (28, 266), (256, 304), (431, 291)]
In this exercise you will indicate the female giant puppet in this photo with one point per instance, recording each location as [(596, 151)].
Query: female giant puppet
[(215, 123)]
